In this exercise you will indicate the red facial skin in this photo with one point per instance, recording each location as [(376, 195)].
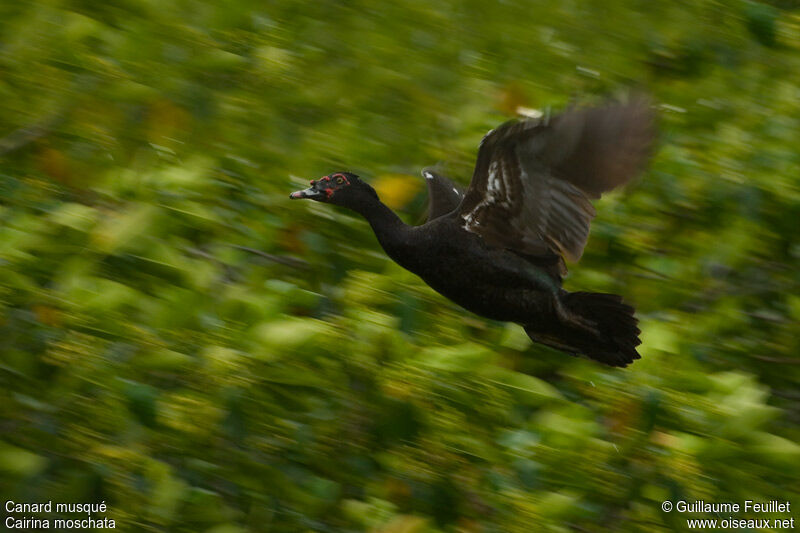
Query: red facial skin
[(329, 192)]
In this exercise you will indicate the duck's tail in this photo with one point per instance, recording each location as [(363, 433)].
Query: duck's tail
[(599, 326)]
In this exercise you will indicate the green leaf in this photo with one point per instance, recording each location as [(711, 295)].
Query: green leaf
[(285, 336), (20, 462), (125, 229), (76, 216), (526, 389), (458, 358), (163, 359), (761, 19), (777, 450)]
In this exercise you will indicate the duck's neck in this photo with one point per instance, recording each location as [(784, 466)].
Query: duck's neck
[(392, 233)]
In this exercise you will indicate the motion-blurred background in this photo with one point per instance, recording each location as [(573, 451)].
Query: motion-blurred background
[(181, 341)]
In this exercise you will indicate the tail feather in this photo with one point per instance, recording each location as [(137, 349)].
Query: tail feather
[(611, 338)]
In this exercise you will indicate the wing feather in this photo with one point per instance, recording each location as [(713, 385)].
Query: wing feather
[(443, 195), (533, 179)]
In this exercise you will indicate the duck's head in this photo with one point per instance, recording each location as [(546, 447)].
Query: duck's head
[(340, 188)]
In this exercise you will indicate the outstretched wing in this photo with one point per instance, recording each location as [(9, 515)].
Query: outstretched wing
[(533, 179), (443, 195)]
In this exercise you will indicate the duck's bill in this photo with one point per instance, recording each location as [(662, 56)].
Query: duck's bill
[(310, 193)]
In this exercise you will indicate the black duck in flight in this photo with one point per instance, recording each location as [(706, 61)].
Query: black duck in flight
[(499, 248)]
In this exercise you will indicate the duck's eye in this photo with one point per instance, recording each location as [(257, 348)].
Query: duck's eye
[(339, 181)]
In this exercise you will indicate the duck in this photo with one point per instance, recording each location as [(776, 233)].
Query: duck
[(499, 248)]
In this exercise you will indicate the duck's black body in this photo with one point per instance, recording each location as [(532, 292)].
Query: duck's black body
[(485, 280), (494, 254)]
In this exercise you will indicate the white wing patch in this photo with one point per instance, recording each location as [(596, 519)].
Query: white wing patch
[(494, 184), (495, 194)]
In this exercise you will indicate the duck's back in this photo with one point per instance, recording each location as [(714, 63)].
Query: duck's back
[(461, 266)]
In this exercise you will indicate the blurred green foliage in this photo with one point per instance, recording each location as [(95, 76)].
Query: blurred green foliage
[(180, 341)]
